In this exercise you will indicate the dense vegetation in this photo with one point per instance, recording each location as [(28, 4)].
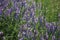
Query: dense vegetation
[(30, 20)]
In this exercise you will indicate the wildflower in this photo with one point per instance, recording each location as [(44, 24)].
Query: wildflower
[(24, 3), (8, 11), (41, 37), (31, 14), (3, 3), (48, 27), (15, 5), (35, 32), (0, 12), (29, 34), (16, 16), (32, 11), (28, 25), (46, 36), (17, 10), (18, 0), (52, 28), (24, 33), (53, 37), (36, 20), (1, 34), (21, 39), (41, 19)]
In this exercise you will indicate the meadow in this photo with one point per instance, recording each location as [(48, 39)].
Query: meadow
[(29, 19)]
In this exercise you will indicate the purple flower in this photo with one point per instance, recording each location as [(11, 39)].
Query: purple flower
[(0, 12), (41, 19), (1, 34), (8, 11), (46, 36), (32, 11), (27, 18), (35, 32), (36, 20), (28, 25), (21, 39), (16, 16), (30, 14), (29, 33), (41, 37), (32, 19), (15, 5), (24, 33), (53, 37), (24, 3), (17, 0), (3, 3), (52, 28), (17, 10)]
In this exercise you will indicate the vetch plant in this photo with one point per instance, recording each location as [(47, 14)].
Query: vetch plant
[(29, 20)]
